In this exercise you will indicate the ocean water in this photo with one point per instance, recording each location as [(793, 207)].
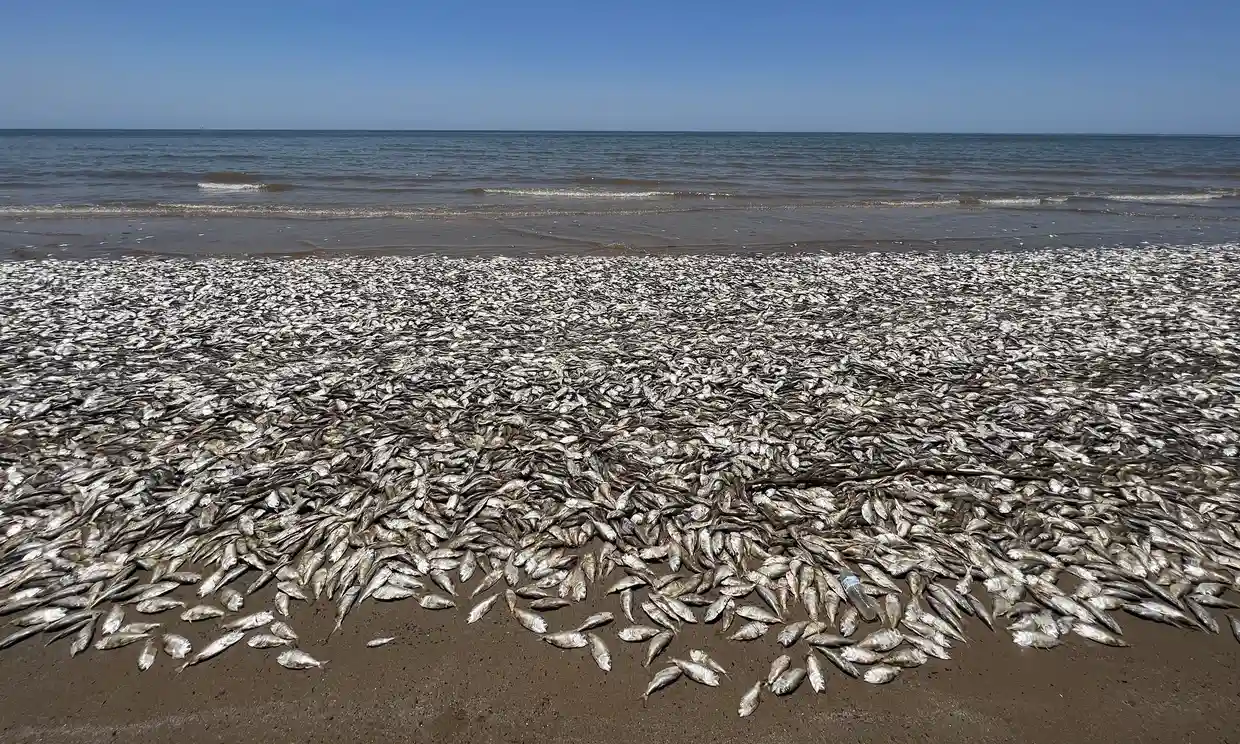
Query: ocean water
[(420, 190)]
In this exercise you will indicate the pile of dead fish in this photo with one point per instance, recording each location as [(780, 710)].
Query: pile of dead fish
[(1042, 443)]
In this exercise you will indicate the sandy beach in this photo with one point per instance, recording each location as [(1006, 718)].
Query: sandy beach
[(1051, 433), (443, 681)]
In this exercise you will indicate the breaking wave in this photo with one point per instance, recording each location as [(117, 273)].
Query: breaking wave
[(594, 193), (1198, 197), (230, 181)]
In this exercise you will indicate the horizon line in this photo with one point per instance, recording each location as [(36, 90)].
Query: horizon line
[(624, 131)]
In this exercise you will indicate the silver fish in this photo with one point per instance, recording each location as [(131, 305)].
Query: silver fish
[(298, 659), (216, 647), (201, 612), (699, 673), (657, 645), (662, 678), (701, 657), (156, 605), (749, 632), (250, 622), (479, 611), (817, 676), (146, 658), (436, 602), (597, 620), (532, 621), (385, 640), (176, 647), (778, 667), (266, 640), (637, 633), (788, 682), (282, 630), (599, 651), (750, 700), (882, 640), (117, 640), (880, 674), (112, 621), (567, 639)]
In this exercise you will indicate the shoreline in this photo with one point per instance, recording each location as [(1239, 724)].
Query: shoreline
[(709, 232)]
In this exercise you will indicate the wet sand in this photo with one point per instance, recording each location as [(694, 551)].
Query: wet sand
[(444, 681), (707, 231)]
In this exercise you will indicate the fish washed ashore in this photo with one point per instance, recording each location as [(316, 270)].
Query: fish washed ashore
[(649, 468)]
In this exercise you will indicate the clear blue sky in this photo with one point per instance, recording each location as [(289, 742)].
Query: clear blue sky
[(865, 65)]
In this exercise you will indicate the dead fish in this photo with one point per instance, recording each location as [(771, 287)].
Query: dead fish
[(392, 593), (81, 639), (176, 647), (597, 620), (598, 650), (377, 642), (880, 674), (778, 667), (758, 614), (282, 630), (928, 647), (479, 611), (532, 621), (788, 682), (717, 608), (201, 612), (298, 659), (117, 640), (549, 604), (567, 639), (146, 658), (14, 638), (814, 670), (266, 640), (828, 640), (750, 700), (157, 605), (906, 658), (216, 647), (844, 665), (1235, 626), (112, 621), (699, 673), (1098, 635), (628, 582), (792, 633), (436, 602), (882, 640), (749, 631), (704, 659), (858, 655), (1034, 639), (662, 678), (1157, 611), (41, 617), (637, 633), (657, 645), (850, 620), (250, 622), (232, 599)]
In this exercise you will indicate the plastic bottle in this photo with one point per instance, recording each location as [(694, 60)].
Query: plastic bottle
[(856, 594)]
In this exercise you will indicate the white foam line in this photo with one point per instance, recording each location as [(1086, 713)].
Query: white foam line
[(1163, 197), (207, 186), (580, 193)]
